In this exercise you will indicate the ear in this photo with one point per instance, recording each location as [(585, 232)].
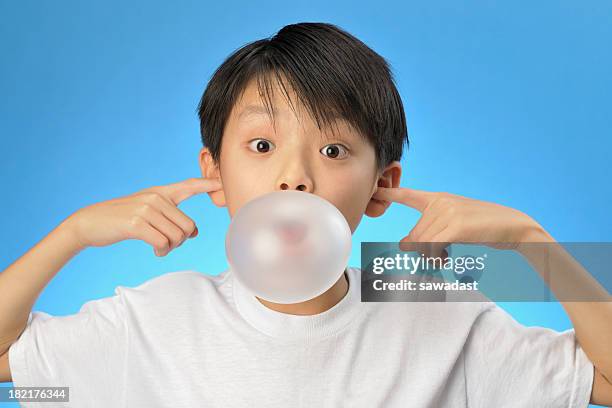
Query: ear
[(211, 169), (390, 178)]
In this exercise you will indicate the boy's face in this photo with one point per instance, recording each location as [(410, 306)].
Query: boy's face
[(257, 159)]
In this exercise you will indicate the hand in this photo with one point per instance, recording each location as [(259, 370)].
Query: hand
[(150, 215), (448, 218)]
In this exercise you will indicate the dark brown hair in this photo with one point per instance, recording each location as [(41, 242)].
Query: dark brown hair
[(333, 74)]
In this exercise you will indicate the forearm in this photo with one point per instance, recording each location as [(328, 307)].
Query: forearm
[(23, 281), (567, 279)]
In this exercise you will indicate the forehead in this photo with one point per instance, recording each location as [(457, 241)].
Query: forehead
[(251, 107), (251, 103)]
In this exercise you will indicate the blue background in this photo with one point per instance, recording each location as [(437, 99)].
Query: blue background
[(506, 102)]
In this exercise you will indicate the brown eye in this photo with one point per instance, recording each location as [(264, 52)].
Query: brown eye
[(260, 145), (334, 151)]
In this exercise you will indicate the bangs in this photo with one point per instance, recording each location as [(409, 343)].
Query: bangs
[(316, 95)]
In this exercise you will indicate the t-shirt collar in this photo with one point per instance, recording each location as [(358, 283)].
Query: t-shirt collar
[(289, 326)]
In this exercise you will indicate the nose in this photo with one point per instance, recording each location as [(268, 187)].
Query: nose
[(295, 171), (295, 178)]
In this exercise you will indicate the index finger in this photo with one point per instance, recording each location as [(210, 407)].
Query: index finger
[(418, 199), (182, 190)]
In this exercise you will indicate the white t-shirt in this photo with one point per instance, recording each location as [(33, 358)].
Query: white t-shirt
[(185, 339)]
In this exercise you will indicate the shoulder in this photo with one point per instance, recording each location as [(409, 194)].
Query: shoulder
[(179, 287), (184, 280)]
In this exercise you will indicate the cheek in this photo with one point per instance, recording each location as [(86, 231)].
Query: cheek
[(353, 210), (236, 194), (351, 195), (241, 184)]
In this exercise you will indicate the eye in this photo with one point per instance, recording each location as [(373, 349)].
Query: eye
[(334, 151), (260, 145)]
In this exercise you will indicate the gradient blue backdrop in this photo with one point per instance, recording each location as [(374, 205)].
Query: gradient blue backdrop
[(505, 101)]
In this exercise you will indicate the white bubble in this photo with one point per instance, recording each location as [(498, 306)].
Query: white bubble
[(288, 246)]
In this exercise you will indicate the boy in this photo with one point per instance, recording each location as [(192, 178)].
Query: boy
[(312, 109)]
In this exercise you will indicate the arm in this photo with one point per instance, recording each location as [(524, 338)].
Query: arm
[(448, 218), (592, 321), (150, 215), (23, 281), (602, 390), (5, 373)]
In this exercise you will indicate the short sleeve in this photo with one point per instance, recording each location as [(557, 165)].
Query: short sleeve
[(85, 351), (511, 365)]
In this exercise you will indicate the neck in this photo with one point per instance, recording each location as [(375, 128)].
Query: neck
[(316, 305)]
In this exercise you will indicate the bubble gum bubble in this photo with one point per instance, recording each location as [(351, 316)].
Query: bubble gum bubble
[(288, 246)]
